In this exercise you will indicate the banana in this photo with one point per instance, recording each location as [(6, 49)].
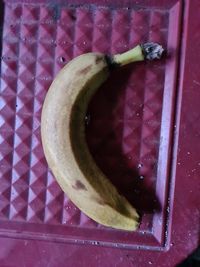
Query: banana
[(63, 136)]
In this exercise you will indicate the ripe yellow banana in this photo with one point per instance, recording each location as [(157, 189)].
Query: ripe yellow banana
[(63, 136)]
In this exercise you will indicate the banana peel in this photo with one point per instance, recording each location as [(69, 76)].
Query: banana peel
[(63, 136)]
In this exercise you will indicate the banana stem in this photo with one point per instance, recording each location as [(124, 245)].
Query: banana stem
[(148, 51)]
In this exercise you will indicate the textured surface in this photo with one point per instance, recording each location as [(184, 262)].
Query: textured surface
[(123, 136), (129, 127), (34, 49)]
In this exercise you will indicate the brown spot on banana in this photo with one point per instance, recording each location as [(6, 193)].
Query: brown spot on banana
[(99, 201), (79, 186), (84, 70), (99, 59)]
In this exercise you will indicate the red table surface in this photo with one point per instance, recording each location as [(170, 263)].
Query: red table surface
[(142, 128)]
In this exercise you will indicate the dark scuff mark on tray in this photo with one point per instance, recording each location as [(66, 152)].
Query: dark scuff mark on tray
[(57, 10), (57, 7), (110, 6)]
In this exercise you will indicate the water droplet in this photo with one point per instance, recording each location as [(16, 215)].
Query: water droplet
[(188, 152), (167, 209), (87, 119), (141, 177), (62, 59), (179, 163), (139, 165), (150, 262), (166, 234), (171, 244)]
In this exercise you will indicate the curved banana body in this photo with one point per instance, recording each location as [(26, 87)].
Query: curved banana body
[(65, 148)]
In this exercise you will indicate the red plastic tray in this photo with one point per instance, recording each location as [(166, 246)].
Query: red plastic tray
[(142, 128)]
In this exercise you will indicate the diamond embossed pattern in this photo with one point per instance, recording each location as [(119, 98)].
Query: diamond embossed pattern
[(123, 129)]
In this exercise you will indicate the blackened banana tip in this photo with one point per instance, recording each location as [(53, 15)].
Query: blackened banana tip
[(152, 50)]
